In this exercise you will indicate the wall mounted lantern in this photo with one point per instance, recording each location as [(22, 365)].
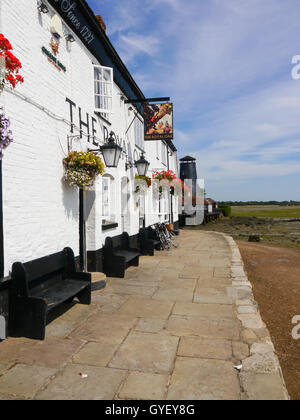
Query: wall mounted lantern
[(142, 165), (43, 8), (111, 152), (70, 38)]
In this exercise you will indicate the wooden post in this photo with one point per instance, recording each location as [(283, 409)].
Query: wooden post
[(82, 232)]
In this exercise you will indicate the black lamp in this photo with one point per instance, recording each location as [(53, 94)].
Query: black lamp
[(70, 38), (111, 152), (43, 8), (142, 165)]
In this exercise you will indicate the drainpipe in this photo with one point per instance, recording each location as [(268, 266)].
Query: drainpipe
[(170, 195)]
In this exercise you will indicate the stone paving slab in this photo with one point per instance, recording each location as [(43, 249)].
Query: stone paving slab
[(144, 386), (105, 328), (203, 310), (146, 353), (262, 387), (203, 379), (217, 295), (174, 294), (4, 367), (150, 325), (207, 348), (53, 352), (184, 325), (95, 354), (174, 328), (147, 308), (99, 384), (24, 381)]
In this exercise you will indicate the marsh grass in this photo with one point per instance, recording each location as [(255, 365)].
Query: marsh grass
[(288, 212)]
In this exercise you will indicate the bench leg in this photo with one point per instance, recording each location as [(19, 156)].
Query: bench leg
[(84, 296), (135, 262), (148, 249), (28, 319), (119, 275)]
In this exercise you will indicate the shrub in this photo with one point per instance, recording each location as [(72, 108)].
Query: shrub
[(226, 210)]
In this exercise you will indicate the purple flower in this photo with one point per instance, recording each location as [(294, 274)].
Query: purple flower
[(5, 134)]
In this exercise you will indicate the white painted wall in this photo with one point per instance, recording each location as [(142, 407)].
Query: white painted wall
[(40, 210)]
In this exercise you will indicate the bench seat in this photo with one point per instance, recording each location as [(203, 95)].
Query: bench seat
[(41, 285), (148, 242), (128, 255), (60, 292), (117, 258)]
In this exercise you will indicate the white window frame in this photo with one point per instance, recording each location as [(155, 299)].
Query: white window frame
[(103, 89)]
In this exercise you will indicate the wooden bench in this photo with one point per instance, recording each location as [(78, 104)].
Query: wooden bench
[(41, 285), (148, 241), (117, 258)]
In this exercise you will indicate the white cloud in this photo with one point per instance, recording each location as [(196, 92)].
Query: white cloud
[(133, 44), (227, 67)]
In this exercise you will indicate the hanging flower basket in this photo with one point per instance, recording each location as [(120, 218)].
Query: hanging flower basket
[(162, 181), (82, 169), (5, 133), (168, 182), (9, 65), (164, 175), (177, 187), (142, 184)]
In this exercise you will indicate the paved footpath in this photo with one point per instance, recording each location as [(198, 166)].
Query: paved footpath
[(173, 329)]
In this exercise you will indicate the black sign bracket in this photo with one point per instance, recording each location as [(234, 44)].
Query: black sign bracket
[(145, 100)]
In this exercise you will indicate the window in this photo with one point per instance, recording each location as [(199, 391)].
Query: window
[(103, 81), (105, 116), (139, 133), (163, 153), (108, 203), (105, 198)]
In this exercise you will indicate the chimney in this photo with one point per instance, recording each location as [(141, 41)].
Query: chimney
[(101, 22)]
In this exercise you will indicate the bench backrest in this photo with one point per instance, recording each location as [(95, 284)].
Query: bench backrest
[(108, 250), (150, 232), (143, 235), (30, 274), (125, 241)]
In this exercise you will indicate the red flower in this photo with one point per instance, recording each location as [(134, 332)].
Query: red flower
[(19, 78), (12, 64), (5, 45), (10, 78)]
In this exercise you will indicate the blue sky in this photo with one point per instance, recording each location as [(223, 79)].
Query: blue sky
[(227, 67)]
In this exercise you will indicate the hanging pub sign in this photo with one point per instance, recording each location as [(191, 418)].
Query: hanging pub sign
[(158, 121)]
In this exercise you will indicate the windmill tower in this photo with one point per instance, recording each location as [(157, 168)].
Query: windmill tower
[(188, 171)]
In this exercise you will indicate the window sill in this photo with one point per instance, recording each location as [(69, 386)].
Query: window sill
[(109, 225), (102, 118), (5, 283)]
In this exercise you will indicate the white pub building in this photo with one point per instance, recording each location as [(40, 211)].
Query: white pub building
[(76, 96)]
